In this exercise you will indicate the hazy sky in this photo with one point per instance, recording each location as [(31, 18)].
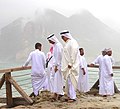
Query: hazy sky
[(105, 10)]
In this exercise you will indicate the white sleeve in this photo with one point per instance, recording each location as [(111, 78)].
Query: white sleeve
[(112, 60), (74, 53), (96, 61), (81, 62), (58, 55), (44, 60), (108, 65), (28, 60)]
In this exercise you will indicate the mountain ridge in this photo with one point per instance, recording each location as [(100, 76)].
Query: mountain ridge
[(89, 31)]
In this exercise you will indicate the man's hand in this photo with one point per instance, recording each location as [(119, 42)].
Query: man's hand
[(55, 69), (69, 66), (23, 66), (111, 75), (90, 65), (83, 71)]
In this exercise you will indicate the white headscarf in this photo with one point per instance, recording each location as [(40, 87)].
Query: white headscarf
[(104, 49), (66, 34), (53, 38), (108, 49)]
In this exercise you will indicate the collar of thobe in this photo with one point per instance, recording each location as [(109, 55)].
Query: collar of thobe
[(37, 50)]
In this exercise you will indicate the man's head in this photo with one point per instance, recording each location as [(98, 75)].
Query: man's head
[(109, 52), (38, 46), (65, 35), (52, 39), (64, 38), (81, 51), (104, 52)]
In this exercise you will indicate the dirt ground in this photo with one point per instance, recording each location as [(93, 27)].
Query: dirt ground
[(84, 101)]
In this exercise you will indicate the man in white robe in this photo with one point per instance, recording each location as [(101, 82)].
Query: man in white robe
[(50, 70), (70, 64), (110, 55), (38, 75), (57, 55), (83, 82), (107, 88), (99, 61)]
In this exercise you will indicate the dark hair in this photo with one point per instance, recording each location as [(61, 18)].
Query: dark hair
[(37, 45), (80, 49)]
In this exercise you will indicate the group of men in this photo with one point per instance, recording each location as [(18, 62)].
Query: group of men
[(105, 61), (63, 64)]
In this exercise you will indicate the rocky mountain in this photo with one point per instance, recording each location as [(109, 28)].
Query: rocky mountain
[(18, 38), (93, 34)]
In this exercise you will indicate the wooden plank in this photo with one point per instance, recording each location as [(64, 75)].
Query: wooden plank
[(116, 67), (15, 69), (2, 80), (95, 86), (20, 90), (9, 99), (97, 66), (29, 67), (116, 89)]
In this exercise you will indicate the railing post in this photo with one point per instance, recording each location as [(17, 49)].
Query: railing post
[(2, 81), (9, 99)]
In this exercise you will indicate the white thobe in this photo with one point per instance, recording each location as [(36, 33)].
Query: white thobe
[(99, 61), (70, 57), (58, 77), (50, 73), (83, 82), (106, 82), (112, 60), (38, 74)]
